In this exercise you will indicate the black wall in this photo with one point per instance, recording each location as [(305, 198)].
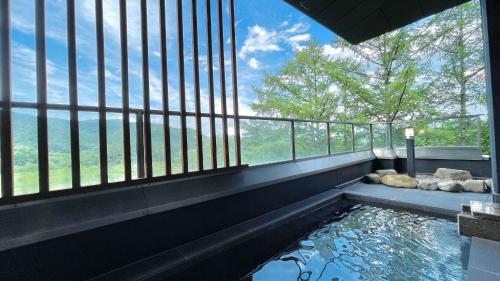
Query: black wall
[(89, 253)]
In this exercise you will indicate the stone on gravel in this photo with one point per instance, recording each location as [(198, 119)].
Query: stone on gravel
[(386, 172), (450, 186), (489, 183), (475, 186), (453, 174), (428, 184), (372, 178), (399, 181)]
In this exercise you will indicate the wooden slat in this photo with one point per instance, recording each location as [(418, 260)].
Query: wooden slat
[(125, 91), (73, 96), (148, 152), (234, 76), (211, 98), (196, 76), (6, 102), (164, 87), (41, 90), (222, 76), (182, 88), (101, 92)]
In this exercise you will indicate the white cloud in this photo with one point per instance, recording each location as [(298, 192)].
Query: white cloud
[(259, 39), (253, 63), (296, 40)]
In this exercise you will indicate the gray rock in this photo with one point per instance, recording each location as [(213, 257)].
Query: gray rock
[(450, 186), (372, 178), (399, 181), (489, 183), (452, 174), (428, 184), (386, 172), (475, 186)]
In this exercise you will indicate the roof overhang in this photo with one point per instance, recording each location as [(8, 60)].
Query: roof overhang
[(360, 20)]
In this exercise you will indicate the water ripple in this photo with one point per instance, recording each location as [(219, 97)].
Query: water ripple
[(371, 243)]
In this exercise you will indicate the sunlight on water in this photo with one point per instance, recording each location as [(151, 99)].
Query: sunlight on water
[(372, 243)]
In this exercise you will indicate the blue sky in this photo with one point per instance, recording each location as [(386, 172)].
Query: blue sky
[(267, 34)]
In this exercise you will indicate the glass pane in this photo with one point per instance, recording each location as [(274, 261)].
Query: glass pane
[(207, 153), (56, 52), (59, 150), (23, 51), (158, 145), (340, 138), (86, 52), (381, 136), (115, 147), (265, 141), (133, 145), (310, 139), (362, 137), (89, 148), (25, 151), (448, 132), (175, 144), (192, 146)]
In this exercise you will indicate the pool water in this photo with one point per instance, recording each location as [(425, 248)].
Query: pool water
[(372, 243)]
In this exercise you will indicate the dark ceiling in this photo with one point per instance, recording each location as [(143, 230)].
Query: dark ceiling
[(359, 20)]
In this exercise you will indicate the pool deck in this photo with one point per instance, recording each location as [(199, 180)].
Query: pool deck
[(440, 202)]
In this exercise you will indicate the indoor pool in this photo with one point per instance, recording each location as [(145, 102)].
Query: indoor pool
[(371, 243)]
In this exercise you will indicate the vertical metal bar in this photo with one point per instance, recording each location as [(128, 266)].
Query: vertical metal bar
[(196, 75), (222, 74), (371, 137), (101, 91), (41, 82), (353, 138), (6, 101), (479, 137), (232, 33), (164, 87), (145, 90), (328, 136), (125, 91), (391, 142), (73, 96), (182, 88), (140, 144), (292, 135), (211, 99)]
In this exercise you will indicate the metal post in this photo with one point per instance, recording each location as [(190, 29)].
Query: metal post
[(101, 89), (145, 90), (371, 136), (292, 134), (196, 75), (391, 142), (125, 91), (73, 96), (211, 98), (6, 102), (328, 136), (182, 88), (234, 76), (41, 82), (490, 10), (164, 87), (353, 138), (222, 76), (410, 156)]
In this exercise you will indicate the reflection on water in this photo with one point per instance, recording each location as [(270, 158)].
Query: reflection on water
[(372, 243)]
